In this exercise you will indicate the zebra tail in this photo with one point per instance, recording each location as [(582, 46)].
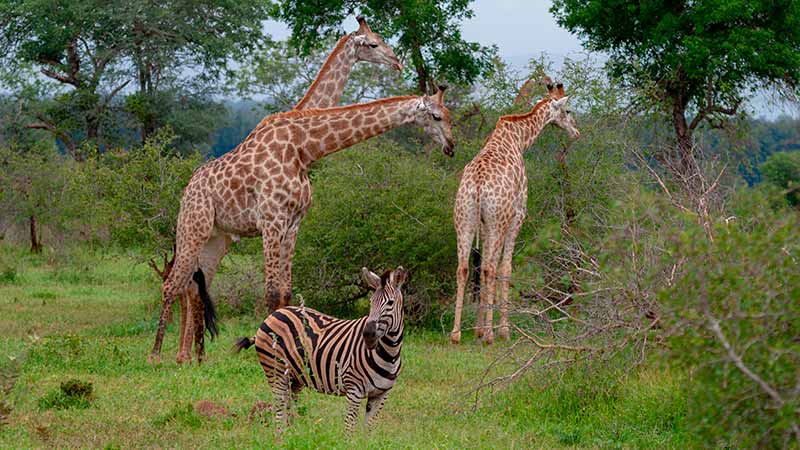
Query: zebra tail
[(243, 343), (209, 311)]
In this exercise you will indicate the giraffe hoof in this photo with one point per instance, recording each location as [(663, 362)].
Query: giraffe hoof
[(504, 334), (154, 358), (455, 337), (488, 338), (181, 358), (479, 332)]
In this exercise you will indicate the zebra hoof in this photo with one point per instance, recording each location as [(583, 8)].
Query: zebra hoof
[(455, 337)]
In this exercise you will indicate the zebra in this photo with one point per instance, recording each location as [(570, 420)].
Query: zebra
[(360, 359)]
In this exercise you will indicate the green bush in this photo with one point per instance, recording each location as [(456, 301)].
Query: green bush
[(377, 206), (140, 191), (736, 310), (782, 169), (72, 393)]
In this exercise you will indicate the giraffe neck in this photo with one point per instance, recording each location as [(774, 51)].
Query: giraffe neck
[(328, 86), (525, 128), (334, 129)]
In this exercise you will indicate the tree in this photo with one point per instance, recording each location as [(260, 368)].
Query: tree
[(93, 49), (699, 57), (427, 33)]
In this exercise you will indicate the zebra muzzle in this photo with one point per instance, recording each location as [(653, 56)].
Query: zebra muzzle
[(370, 334)]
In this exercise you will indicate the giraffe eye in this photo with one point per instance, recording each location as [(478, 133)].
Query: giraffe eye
[(373, 45), (436, 117), (569, 111)]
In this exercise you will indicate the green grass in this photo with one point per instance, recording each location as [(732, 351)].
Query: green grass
[(94, 321)]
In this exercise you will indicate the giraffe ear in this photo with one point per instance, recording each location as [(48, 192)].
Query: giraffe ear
[(372, 280), (560, 103)]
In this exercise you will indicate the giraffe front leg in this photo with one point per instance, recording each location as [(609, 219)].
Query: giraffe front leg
[(374, 407), (287, 255), (271, 235)]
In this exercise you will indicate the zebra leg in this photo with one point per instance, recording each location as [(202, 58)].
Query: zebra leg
[(280, 399), (353, 406), (374, 407)]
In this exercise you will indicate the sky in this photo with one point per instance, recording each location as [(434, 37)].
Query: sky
[(521, 29)]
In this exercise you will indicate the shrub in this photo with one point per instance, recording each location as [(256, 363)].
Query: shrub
[(72, 393), (782, 169), (377, 206), (141, 190), (736, 313)]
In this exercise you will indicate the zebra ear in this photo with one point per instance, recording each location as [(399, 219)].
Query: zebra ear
[(370, 278), (399, 276)]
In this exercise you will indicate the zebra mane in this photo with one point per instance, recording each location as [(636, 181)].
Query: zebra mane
[(385, 277)]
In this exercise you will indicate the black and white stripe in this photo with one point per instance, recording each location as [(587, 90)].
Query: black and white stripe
[(360, 359)]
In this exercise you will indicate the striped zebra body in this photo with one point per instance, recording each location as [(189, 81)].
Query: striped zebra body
[(326, 354), (299, 347)]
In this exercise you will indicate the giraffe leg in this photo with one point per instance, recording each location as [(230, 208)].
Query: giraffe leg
[(185, 340), (374, 407), (466, 218), (198, 326), (491, 247), (505, 275), (466, 232), (287, 255), (194, 229), (271, 235)]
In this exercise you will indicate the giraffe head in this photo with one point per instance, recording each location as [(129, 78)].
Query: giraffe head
[(385, 304), (559, 115), (434, 117), (370, 47)]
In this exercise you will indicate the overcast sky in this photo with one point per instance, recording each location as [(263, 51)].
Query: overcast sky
[(520, 28)]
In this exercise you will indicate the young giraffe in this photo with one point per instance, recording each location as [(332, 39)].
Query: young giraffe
[(325, 92), (493, 194), (262, 187)]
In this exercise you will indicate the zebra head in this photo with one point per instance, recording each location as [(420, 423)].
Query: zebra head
[(386, 304)]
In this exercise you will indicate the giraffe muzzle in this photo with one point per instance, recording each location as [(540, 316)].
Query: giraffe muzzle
[(448, 149)]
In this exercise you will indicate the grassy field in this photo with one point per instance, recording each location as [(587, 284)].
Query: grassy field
[(94, 320)]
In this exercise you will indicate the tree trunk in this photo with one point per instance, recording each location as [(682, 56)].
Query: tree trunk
[(422, 71), (36, 244), (683, 135)]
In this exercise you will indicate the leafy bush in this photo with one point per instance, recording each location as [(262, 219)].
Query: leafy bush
[(72, 393), (782, 169), (378, 207), (736, 313), (141, 190)]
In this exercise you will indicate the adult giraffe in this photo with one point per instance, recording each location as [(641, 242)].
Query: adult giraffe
[(325, 91), (493, 194), (262, 187)]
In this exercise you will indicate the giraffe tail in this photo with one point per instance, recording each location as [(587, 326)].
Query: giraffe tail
[(243, 344), (475, 255), (208, 305)]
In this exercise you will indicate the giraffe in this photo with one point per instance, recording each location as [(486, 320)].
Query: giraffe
[(261, 188), (493, 194), (325, 92)]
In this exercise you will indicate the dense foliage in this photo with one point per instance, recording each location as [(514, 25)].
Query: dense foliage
[(695, 58)]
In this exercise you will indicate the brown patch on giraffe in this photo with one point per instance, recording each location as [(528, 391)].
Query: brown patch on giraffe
[(323, 71)]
